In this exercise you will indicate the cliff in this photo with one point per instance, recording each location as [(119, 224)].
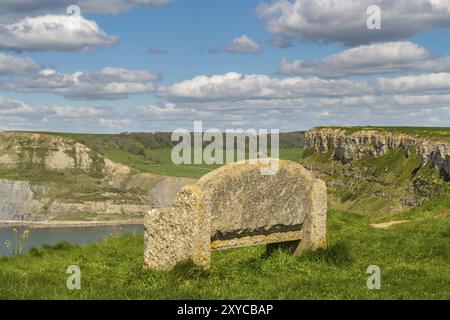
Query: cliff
[(46, 177), (375, 143)]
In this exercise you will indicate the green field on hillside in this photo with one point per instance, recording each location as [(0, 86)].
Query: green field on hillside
[(159, 161), (413, 257), (151, 152)]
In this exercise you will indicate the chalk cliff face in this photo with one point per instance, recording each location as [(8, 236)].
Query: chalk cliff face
[(373, 143), (16, 200), (87, 183), (52, 152)]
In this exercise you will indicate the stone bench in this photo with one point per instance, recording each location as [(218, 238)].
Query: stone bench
[(237, 206)]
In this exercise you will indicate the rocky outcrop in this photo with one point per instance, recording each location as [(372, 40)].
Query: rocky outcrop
[(17, 200), (52, 152), (373, 143), (112, 189)]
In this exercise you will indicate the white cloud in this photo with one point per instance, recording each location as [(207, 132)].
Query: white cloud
[(117, 6), (17, 115), (11, 65), (15, 108), (109, 83), (11, 108), (370, 59), (235, 86), (11, 10), (68, 112), (243, 44), (345, 21), (424, 83), (54, 33)]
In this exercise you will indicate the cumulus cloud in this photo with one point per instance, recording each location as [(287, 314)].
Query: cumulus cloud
[(243, 44), (53, 32), (345, 21), (423, 83), (15, 108), (117, 6), (10, 108), (11, 10), (17, 115), (370, 59), (235, 86), (12, 65), (109, 83)]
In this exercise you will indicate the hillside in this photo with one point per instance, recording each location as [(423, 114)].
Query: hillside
[(372, 170), (151, 152), (64, 176), (47, 177)]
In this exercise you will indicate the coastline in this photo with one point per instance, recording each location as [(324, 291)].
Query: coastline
[(67, 224)]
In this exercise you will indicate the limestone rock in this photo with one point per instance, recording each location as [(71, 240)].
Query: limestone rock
[(178, 233), (17, 200), (242, 201), (55, 153), (374, 143)]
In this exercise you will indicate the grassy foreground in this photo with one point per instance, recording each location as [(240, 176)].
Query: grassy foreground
[(413, 257)]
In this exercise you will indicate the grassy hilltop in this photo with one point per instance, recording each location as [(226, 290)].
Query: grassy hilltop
[(413, 255)]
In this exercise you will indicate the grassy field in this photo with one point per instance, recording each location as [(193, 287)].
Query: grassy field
[(151, 152), (159, 161), (413, 257)]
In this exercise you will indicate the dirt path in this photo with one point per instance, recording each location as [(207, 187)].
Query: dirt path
[(386, 225)]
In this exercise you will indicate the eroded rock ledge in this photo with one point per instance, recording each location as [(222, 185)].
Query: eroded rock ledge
[(373, 143)]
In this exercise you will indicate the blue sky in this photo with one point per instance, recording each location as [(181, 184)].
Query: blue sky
[(217, 61)]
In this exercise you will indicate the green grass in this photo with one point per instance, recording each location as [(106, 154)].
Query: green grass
[(413, 257), (158, 161), (377, 185)]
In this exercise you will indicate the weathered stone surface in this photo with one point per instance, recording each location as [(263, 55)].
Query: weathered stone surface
[(243, 202), (237, 206), (375, 144), (179, 233)]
